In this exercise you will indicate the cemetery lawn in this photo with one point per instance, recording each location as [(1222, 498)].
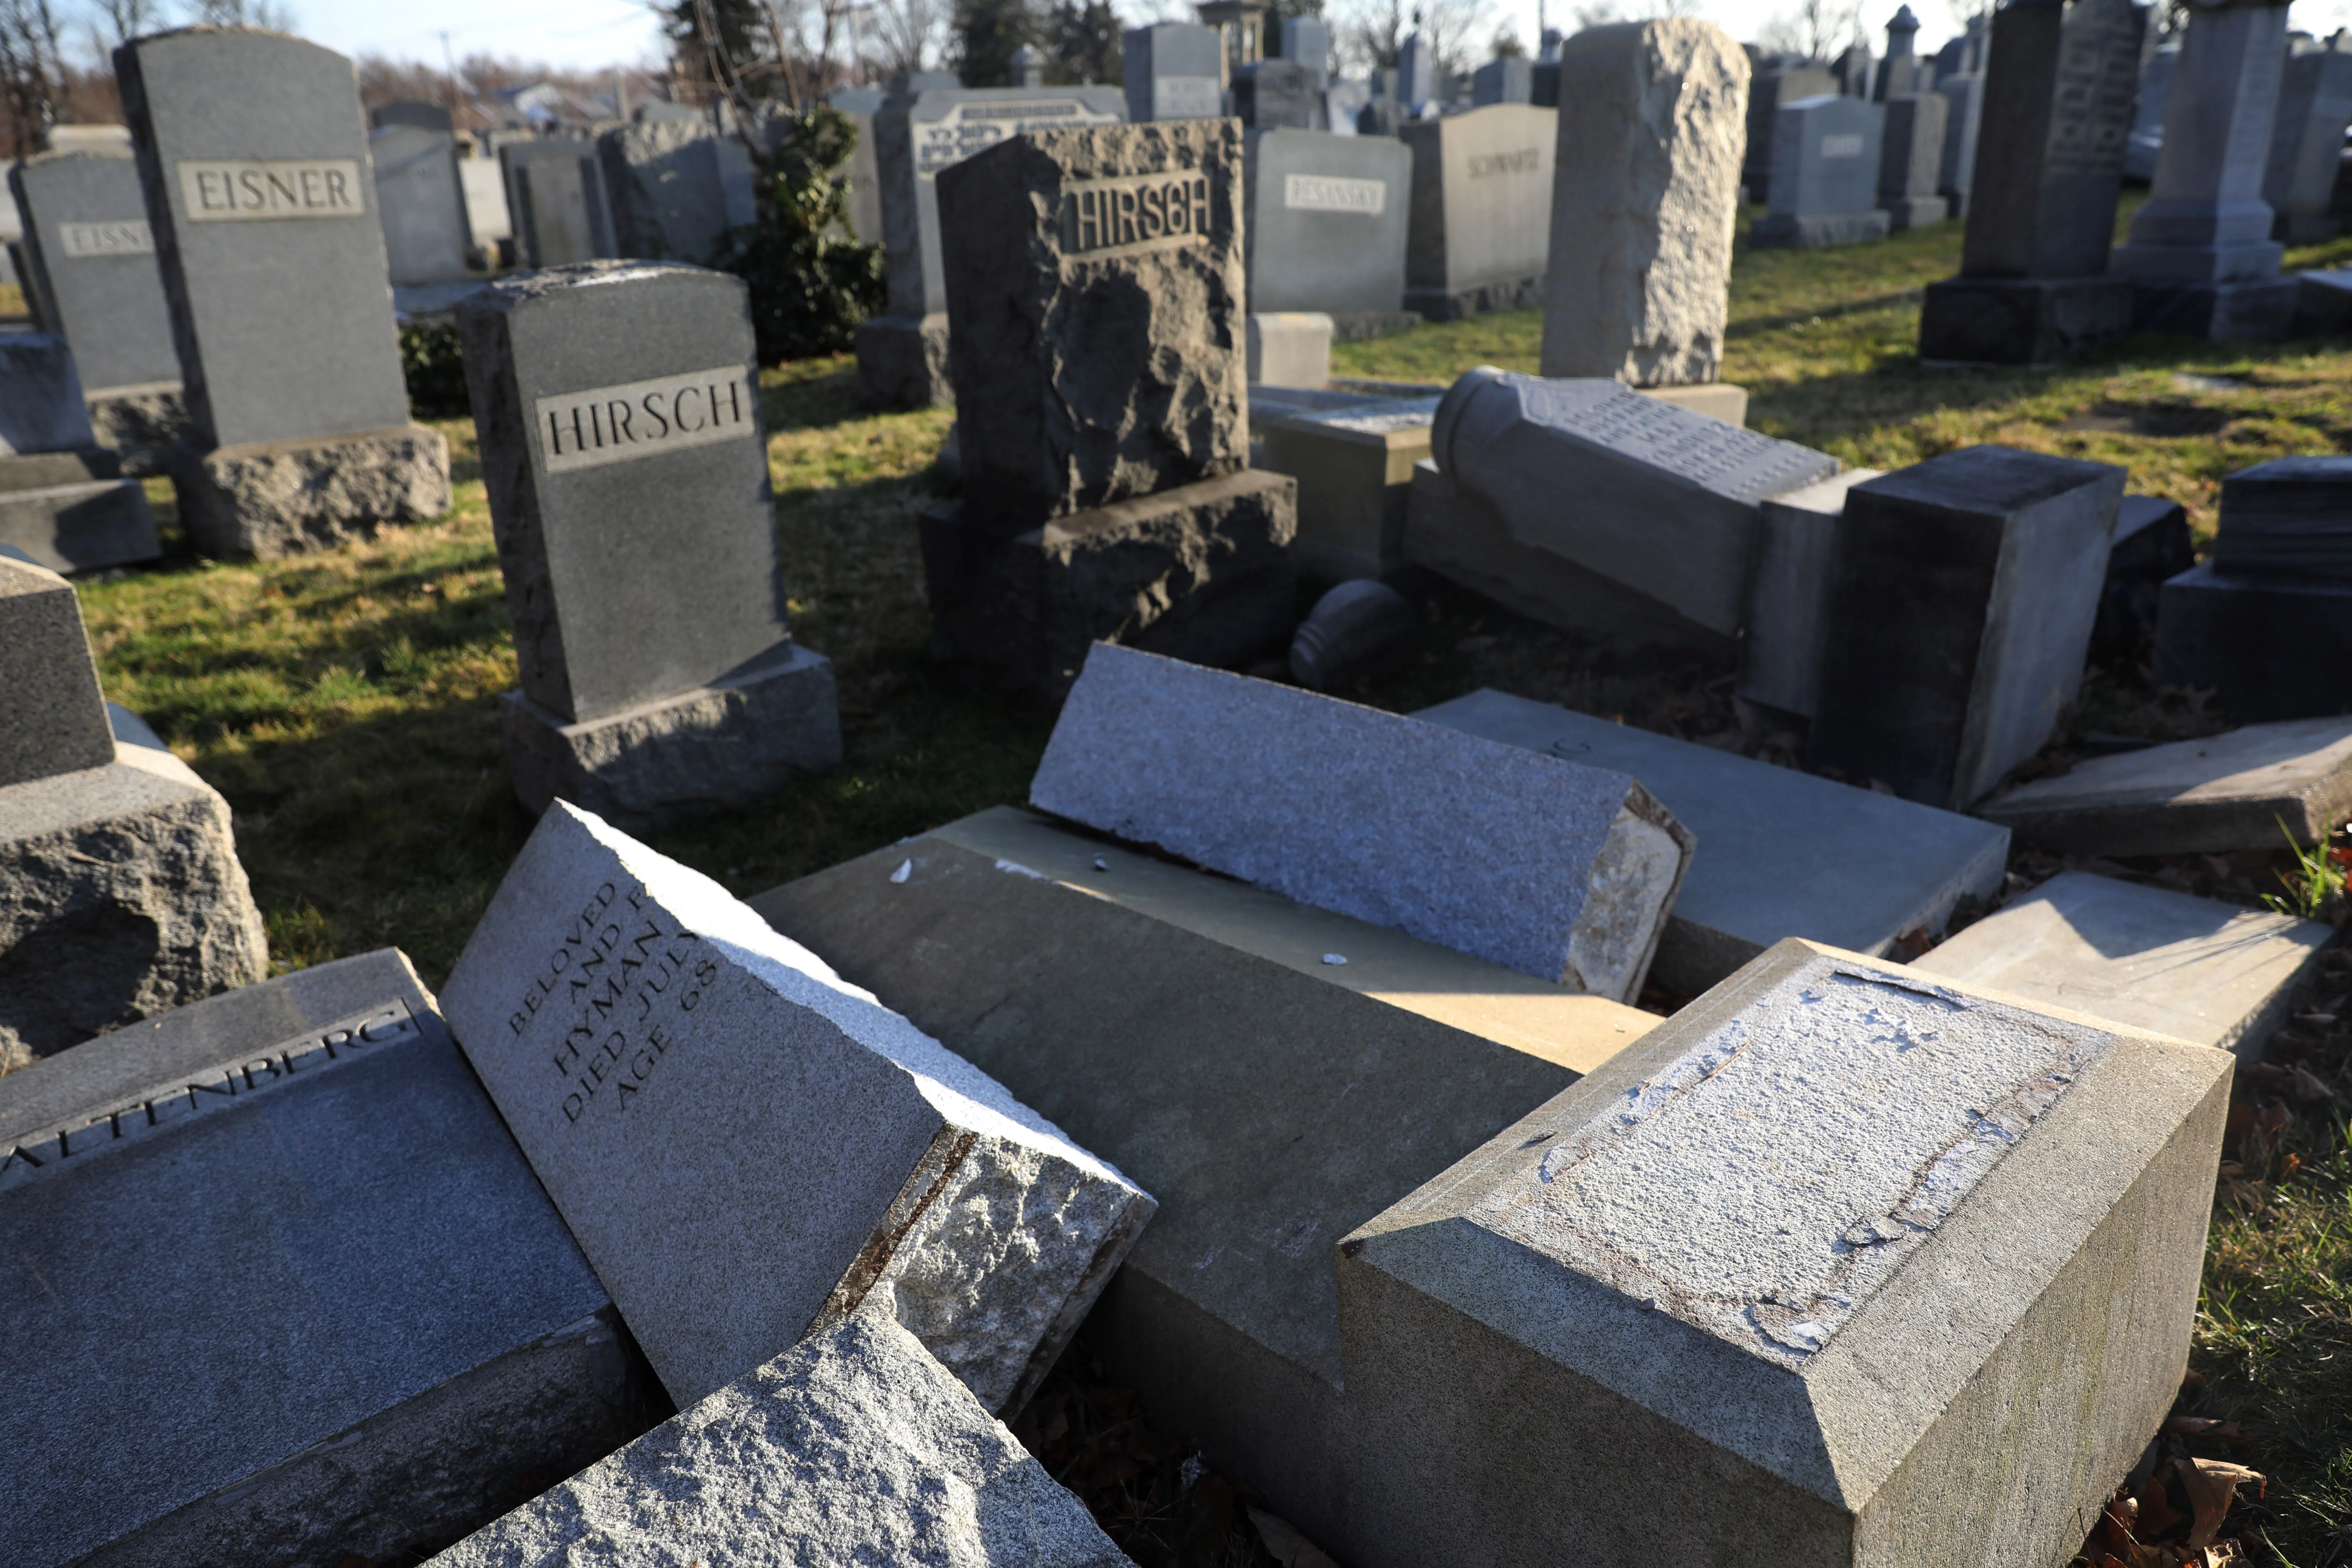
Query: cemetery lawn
[(345, 704)]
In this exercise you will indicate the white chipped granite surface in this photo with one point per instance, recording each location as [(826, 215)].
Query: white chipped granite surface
[(853, 1447), (745, 1144), (1555, 869), (1763, 1183)]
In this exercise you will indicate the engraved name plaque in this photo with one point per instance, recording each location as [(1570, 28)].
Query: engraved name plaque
[(1525, 160), (1187, 98), (254, 190), (1846, 146), (602, 425), (120, 237), (1334, 193), (1137, 213)]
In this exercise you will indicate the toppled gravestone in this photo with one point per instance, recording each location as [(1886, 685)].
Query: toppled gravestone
[(63, 499), (333, 1313), (746, 1146), (1095, 287), (120, 894), (1542, 865), (1883, 1260), (853, 1446), (1274, 1073)]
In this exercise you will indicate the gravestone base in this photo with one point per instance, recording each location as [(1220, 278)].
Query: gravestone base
[(1464, 539), (1477, 299), (2305, 227), (2256, 311), (281, 498), (1354, 467), (902, 361), (145, 423), (2322, 301), (47, 470), (1816, 231), (1916, 212), (1356, 326), (734, 740), (2021, 320), (120, 896), (80, 527), (2267, 648), (1289, 348), (1204, 572)]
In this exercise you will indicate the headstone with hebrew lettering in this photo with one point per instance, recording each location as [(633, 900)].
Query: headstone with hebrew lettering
[(334, 1314), (1842, 1237), (1481, 210), (747, 1146), (606, 396), (1326, 223), (1664, 500), (254, 157), (902, 354)]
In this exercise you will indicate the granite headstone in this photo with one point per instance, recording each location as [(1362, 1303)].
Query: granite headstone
[(1327, 223), (1174, 71), (1911, 160), (2307, 142), (678, 190), (1825, 153), (420, 201), (1481, 226)]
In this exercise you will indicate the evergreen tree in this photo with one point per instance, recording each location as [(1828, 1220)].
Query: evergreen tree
[(988, 32), (741, 29), (1282, 11), (1086, 44)]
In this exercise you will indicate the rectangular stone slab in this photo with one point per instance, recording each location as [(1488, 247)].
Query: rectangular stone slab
[(1198, 1031), (1548, 866), (347, 1220), (1800, 856), (1825, 156), (41, 407), (2267, 648), (93, 260), (1326, 221), (80, 527), (2245, 789), (1841, 1239), (853, 1446), (1354, 467), (52, 719), (2195, 969), (1796, 552), (255, 161), (2289, 516), (421, 204), (745, 1145), (1481, 196)]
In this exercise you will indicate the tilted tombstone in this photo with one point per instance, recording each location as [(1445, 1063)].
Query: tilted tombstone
[(1910, 159), (2147, 120), (1961, 605), (2307, 142), (1328, 225), (63, 502), (605, 394), (2055, 111), (746, 1146), (255, 161), (324, 1162), (162, 914), (1482, 185), (678, 189), (1146, 993), (1824, 174), (1174, 71), (1646, 194), (1102, 411), (420, 202), (1766, 92), (1838, 1237), (2201, 258), (853, 1446), (1666, 498), (1277, 786), (902, 355), (555, 192)]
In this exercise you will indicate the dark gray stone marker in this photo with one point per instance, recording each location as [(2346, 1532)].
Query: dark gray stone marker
[(1766, 93), (1960, 608), (52, 719), (2056, 114), (63, 502), (1910, 159), (555, 191), (1327, 220), (255, 161), (677, 189), (2290, 517), (1174, 71), (93, 256), (41, 408), (303, 1178), (1824, 174), (1279, 95), (2151, 546), (422, 205), (2268, 647), (618, 407)]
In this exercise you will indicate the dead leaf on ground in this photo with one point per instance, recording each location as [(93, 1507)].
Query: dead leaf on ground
[(2308, 1086), (1289, 1548), (2211, 1484)]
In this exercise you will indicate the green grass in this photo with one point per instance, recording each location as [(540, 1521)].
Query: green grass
[(346, 705)]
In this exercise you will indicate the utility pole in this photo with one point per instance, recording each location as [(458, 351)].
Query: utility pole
[(449, 70)]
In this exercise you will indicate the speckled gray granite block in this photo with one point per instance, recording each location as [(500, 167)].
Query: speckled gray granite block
[(282, 1290), (1548, 866), (52, 720), (746, 1145), (855, 1447), (1858, 1266)]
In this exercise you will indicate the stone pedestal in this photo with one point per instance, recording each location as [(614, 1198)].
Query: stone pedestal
[(1810, 231), (1353, 466), (1289, 348), (723, 744), (902, 361), (2267, 648), (280, 498), (2021, 320), (1203, 572), (145, 423), (2200, 252)]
